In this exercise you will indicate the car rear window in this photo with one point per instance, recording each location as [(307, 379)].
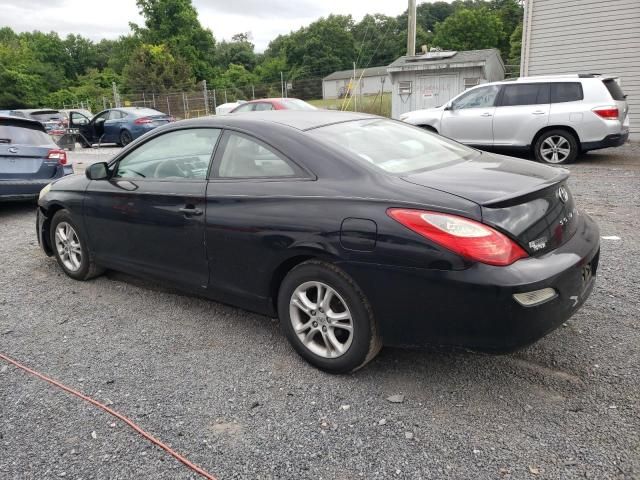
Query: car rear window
[(14, 135), (46, 116), (566, 92), (525, 94), (614, 89), (393, 146)]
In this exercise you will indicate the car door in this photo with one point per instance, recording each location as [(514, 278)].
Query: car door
[(469, 117), (522, 110), (97, 127), (148, 217), (248, 199), (113, 125)]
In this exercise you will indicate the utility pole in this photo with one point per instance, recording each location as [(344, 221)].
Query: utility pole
[(253, 92), (215, 103), (206, 97), (281, 85), (411, 29), (116, 95), (353, 90)]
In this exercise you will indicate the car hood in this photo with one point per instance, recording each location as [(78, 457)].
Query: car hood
[(489, 178)]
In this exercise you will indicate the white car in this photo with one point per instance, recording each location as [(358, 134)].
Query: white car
[(555, 116), (226, 108)]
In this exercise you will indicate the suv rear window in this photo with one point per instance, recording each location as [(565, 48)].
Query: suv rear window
[(525, 94), (614, 89), (566, 92), (14, 135)]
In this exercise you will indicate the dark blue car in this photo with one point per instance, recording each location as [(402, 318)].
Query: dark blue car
[(29, 159), (117, 125)]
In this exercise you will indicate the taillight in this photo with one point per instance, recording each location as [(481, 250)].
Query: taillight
[(143, 120), (608, 113), (468, 238), (59, 155)]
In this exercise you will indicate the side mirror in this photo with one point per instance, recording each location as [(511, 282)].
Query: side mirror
[(97, 171), (449, 106)]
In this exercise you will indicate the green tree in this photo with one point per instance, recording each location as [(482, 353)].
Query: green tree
[(239, 51), (515, 47), (175, 23), (153, 68), (470, 29)]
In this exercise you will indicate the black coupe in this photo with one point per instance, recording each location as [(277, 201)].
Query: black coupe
[(356, 231)]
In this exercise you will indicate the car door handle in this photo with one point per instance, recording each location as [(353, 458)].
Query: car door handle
[(538, 112), (486, 114), (189, 210)]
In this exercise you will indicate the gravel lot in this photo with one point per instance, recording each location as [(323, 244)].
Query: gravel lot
[(223, 387)]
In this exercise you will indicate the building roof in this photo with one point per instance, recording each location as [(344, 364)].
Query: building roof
[(454, 59), (368, 72)]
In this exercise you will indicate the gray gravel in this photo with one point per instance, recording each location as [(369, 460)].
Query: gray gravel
[(224, 388)]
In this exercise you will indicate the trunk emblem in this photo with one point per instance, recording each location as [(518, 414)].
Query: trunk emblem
[(13, 150), (563, 195)]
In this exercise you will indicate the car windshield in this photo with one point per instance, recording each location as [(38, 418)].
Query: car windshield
[(295, 104), (393, 146), (10, 134)]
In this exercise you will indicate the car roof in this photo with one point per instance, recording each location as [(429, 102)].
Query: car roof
[(298, 119), (21, 122), (32, 111)]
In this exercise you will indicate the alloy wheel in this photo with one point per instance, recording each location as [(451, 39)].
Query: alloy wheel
[(321, 319), (555, 149), (68, 246)]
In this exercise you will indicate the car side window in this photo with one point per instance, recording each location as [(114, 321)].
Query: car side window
[(102, 117), (247, 157), (481, 97), (177, 155), (260, 107), (116, 115), (248, 107), (525, 94), (566, 92)]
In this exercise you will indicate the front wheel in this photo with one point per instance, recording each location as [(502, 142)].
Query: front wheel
[(326, 318), (70, 248), (556, 147)]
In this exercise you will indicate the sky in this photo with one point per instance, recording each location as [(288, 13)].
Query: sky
[(265, 19)]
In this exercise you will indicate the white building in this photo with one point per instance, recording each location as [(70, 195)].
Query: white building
[(372, 81), (434, 78), (585, 36)]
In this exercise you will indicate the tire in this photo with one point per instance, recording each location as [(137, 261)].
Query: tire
[(329, 344), (125, 138), (77, 263), (556, 147)]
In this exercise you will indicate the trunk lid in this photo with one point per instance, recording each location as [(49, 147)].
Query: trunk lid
[(24, 148), (529, 202)]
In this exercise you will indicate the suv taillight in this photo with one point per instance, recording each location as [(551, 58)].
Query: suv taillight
[(467, 238), (59, 155), (608, 113)]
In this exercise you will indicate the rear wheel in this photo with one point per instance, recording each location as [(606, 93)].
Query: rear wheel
[(125, 138), (70, 248), (326, 318), (556, 147)]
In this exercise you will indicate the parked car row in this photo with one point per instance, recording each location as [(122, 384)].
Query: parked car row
[(556, 117)]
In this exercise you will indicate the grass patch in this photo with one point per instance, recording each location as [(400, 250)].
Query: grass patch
[(376, 104)]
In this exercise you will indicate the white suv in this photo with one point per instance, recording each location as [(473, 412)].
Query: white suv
[(555, 116)]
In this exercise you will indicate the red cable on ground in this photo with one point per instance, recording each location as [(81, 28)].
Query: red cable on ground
[(146, 435)]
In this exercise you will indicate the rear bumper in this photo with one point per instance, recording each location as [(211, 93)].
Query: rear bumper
[(475, 308), (21, 189), (614, 140), (28, 189)]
